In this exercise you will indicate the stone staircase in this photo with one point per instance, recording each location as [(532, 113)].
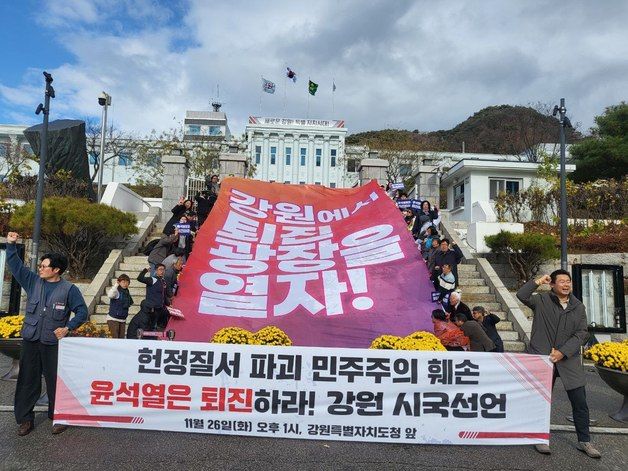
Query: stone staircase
[(132, 266), (475, 292)]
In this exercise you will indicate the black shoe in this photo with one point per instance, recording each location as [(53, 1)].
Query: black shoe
[(25, 428)]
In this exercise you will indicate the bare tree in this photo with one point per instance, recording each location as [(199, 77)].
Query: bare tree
[(117, 143), (16, 160)]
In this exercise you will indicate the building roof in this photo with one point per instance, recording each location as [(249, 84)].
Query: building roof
[(511, 166)]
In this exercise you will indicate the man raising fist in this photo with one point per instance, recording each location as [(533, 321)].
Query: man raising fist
[(559, 329), (50, 300)]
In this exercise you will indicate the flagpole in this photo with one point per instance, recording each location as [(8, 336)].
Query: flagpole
[(285, 87), (260, 97), (333, 93), (307, 115)]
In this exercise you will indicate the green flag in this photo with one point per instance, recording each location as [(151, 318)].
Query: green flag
[(312, 87)]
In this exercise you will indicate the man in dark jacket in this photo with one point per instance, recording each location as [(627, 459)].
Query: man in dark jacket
[(157, 293), (204, 205), (559, 329), (50, 300), (452, 255), (479, 341), (456, 306), (144, 320), (162, 250)]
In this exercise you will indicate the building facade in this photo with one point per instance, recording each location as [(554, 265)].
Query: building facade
[(298, 151)]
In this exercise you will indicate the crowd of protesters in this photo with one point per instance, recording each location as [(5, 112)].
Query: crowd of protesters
[(166, 260), (456, 325)]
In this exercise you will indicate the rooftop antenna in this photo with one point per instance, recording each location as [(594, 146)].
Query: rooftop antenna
[(216, 104)]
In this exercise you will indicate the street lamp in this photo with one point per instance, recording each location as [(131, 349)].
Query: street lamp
[(563, 122), (43, 154), (104, 100)]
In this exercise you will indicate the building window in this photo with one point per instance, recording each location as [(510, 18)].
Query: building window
[(273, 155), (333, 157), (4, 149), (194, 130), (459, 195), (287, 181), (352, 165), (93, 158), (497, 186), (214, 131), (317, 183), (288, 155), (332, 185), (319, 155), (258, 154), (124, 159), (301, 183), (303, 156)]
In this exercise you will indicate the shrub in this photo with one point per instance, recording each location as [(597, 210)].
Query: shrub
[(526, 252), (81, 230)]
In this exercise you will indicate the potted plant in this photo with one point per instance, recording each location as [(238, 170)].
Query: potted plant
[(611, 362), (11, 343)]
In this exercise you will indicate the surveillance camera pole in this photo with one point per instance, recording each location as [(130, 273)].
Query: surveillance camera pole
[(103, 130), (563, 188), (43, 154)]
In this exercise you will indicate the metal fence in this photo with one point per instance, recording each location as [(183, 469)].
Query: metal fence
[(195, 185)]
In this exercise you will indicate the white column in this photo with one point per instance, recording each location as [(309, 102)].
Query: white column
[(311, 159), (325, 161), (265, 158), (281, 154)]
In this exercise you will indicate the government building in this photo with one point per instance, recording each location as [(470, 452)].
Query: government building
[(298, 151)]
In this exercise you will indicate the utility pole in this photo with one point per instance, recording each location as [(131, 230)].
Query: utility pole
[(104, 100), (564, 122), (43, 154)]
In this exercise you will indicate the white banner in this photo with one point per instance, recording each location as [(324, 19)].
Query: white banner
[(305, 392)]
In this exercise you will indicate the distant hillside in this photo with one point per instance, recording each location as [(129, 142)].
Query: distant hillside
[(500, 129)]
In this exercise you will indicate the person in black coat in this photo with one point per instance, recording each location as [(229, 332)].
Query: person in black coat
[(451, 255), (456, 306), (182, 207), (203, 206), (145, 320), (488, 322)]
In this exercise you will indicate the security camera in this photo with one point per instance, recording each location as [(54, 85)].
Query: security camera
[(104, 99), (39, 109), (567, 123), (48, 77), (556, 110)]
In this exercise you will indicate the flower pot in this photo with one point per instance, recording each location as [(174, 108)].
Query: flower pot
[(618, 381), (12, 349)]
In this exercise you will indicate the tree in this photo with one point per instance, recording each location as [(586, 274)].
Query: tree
[(15, 161), (85, 232), (117, 143), (203, 155), (605, 154)]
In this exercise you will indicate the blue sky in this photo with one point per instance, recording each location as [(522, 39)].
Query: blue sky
[(405, 64)]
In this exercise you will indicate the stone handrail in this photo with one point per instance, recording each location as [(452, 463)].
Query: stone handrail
[(520, 321)]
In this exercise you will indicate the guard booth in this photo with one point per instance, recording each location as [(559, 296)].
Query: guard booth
[(601, 289), (9, 287)]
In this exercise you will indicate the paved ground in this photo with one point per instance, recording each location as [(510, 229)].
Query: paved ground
[(95, 449)]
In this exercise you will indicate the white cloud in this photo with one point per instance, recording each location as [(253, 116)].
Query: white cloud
[(404, 64)]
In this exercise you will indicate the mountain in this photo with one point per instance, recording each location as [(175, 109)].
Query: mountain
[(502, 129)]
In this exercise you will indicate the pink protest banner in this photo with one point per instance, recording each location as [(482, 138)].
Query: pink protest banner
[(330, 267)]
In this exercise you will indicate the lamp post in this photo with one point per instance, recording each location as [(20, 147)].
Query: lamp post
[(104, 100), (563, 122), (43, 154)]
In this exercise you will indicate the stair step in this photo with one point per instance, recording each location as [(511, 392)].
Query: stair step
[(514, 346), (474, 289), (491, 307), (466, 281), (509, 335), (134, 259), (134, 290), (475, 298), (465, 268), (504, 325), (132, 267)]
